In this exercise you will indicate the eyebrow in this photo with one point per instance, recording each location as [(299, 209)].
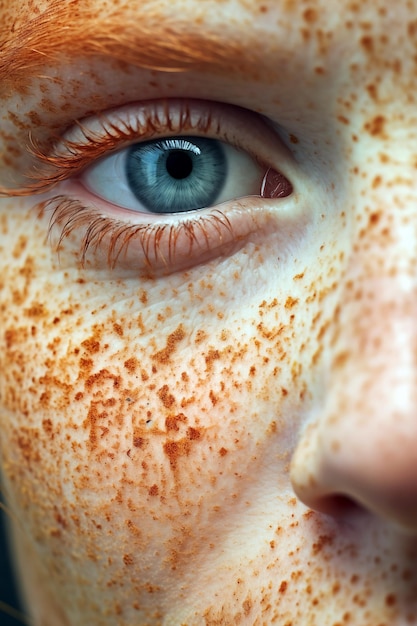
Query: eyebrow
[(66, 30)]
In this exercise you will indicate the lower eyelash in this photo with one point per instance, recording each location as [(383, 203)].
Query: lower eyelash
[(158, 243)]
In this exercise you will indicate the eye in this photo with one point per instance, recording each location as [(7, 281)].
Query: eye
[(174, 175), (162, 186)]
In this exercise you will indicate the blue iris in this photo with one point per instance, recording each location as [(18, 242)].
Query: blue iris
[(176, 174)]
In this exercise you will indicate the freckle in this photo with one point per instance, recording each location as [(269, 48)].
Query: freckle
[(140, 323), (154, 490), (37, 309), (223, 451), (200, 336), (374, 218), (164, 356), (247, 607), (322, 542), (367, 43), (224, 335), (294, 139), (131, 365), (138, 442), (290, 302), (118, 329), (305, 33), (48, 427), (143, 296), (343, 120), (309, 515), (174, 450), (193, 433), (390, 599), (19, 247), (376, 126), (166, 398), (210, 357), (336, 588), (16, 121), (172, 422), (92, 346), (283, 586), (372, 91), (213, 397), (310, 15), (128, 559), (85, 364)]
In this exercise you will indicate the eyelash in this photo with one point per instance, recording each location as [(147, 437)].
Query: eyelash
[(148, 237), (158, 242)]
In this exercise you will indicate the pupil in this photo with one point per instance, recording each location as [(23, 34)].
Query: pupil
[(179, 164)]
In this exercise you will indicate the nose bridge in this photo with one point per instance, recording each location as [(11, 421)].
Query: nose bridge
[(372, 376), (375, 329), (373, 344)]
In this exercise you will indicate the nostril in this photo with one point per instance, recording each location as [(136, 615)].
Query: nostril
[(338, 506)]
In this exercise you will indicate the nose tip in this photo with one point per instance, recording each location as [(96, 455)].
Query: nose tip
[(339, 470)]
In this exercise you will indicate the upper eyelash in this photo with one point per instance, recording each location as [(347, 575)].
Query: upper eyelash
[(72, 157), (157, 118)]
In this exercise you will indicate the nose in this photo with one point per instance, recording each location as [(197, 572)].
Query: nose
[(360, 447)]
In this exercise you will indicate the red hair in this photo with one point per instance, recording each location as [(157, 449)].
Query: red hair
[(75, 29)]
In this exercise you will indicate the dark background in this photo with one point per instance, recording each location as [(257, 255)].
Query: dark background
[(8, 591)]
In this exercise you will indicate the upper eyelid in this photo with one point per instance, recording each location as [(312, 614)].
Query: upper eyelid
[(97, 136)]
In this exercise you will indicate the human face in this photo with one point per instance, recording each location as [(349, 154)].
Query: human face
[(210, 417)]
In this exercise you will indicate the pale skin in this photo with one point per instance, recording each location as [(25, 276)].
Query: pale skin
[(227, 435)]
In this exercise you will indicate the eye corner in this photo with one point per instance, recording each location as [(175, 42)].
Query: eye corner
[(276, 185)]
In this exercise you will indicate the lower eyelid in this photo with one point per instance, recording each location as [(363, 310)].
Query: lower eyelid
[(157, 247)]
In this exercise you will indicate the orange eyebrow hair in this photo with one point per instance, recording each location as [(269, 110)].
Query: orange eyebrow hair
[(71, 29)]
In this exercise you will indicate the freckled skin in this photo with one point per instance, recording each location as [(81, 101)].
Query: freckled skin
[(234, 443)]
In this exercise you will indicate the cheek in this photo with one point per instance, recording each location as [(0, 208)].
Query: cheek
[(140, 417)]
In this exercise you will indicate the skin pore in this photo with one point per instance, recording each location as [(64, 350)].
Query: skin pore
[(216, 425)]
